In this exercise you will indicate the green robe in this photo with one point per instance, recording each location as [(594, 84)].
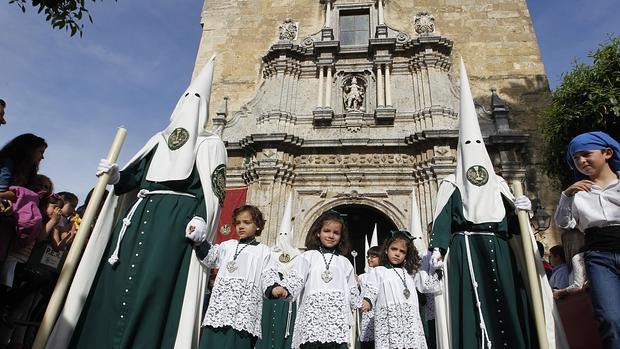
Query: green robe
[(502, 293), (137, 303), (274, 319)]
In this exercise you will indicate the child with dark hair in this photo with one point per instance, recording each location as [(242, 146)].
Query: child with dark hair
[(392, 292), (65, 233), (592, 205), (367, 326), (325, 279), (247, 273), (559, 276)]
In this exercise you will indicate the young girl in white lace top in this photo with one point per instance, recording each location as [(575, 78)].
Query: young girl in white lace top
[(325, 281), (391, 288), (247, 272)]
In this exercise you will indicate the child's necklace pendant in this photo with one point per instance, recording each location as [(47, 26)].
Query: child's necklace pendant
[(406, 293), (326, 276), (231, 266)]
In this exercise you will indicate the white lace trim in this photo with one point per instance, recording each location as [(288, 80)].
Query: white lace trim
[(367, 327), (269, 277), (431, 284), (322, 318), (293, 283), (399, 326), (355, 299), (237, 303), (211, 259)]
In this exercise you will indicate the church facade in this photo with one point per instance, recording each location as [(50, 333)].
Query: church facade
[(353, 105)]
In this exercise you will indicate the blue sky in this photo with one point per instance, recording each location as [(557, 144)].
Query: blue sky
[(137, 58)]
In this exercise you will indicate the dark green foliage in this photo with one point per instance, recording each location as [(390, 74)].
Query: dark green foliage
[(62, 14), (588, 99)]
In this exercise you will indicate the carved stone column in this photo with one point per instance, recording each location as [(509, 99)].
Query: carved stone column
[(319, 102), (380, 11), (380, 99), (328, 88), (388, 87)]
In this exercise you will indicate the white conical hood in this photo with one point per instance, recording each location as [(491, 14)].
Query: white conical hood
[(475, 177), (175, 154), (366, 248), (374, 241), (285, 247), (416, 224)]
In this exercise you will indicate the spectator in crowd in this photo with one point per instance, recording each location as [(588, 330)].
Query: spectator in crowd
[(592, 205), (2, 107), (546, 265), (573, 241), (557, 258), (19, 164)]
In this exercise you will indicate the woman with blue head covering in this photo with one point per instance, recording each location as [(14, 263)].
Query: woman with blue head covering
[(592, 205)]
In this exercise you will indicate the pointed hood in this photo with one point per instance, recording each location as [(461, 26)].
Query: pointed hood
[(179, 141), (366, 248), (475, 176), (374, 241), (285, 247), (416, 224)]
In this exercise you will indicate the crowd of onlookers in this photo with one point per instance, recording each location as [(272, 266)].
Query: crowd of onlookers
[(37, 227)]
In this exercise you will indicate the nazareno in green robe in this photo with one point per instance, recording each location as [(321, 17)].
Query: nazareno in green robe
[(137, 303), (503, 296)]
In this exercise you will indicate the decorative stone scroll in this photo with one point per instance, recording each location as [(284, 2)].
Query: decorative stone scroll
[(288, 30), (424, 23)]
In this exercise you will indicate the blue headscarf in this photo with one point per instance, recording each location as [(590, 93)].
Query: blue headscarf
[(596, 140)]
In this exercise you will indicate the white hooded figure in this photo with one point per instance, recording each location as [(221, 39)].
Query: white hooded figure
[(279, 315), (140, 277), (476, 227)]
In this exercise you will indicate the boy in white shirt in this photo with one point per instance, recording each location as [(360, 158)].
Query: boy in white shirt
[(592, 205)]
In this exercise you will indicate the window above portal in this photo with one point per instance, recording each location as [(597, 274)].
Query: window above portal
[(354, 27)]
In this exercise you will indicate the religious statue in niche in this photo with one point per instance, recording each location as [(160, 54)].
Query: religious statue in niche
[(424, 23), (288, 30), (353, 96)]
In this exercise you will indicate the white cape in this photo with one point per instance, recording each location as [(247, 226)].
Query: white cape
[(555, 330), (211, 153)]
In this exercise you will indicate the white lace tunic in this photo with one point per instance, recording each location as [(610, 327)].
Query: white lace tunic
[(324, 313), (367, 326), (397, 319), (237, 296)]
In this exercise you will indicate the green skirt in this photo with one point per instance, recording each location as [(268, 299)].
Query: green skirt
[(225, 338)]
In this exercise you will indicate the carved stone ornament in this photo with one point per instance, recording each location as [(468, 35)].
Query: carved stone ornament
[(288, 30), (424, 23), (353, 95)]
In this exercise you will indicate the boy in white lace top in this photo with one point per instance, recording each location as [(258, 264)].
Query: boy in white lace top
[(247, 272), (392, 289), (592, 204), (325, 282), (367, 327)]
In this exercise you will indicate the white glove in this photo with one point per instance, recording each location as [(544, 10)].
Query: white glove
[(523, 203), (112, 169), (199, 232), (436, 260)]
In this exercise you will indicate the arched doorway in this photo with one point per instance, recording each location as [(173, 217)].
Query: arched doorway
[(360, 220)]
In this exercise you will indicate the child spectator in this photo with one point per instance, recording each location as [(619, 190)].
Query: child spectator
[(592, 205), (325, 279), (559, 276), (65, 233)]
